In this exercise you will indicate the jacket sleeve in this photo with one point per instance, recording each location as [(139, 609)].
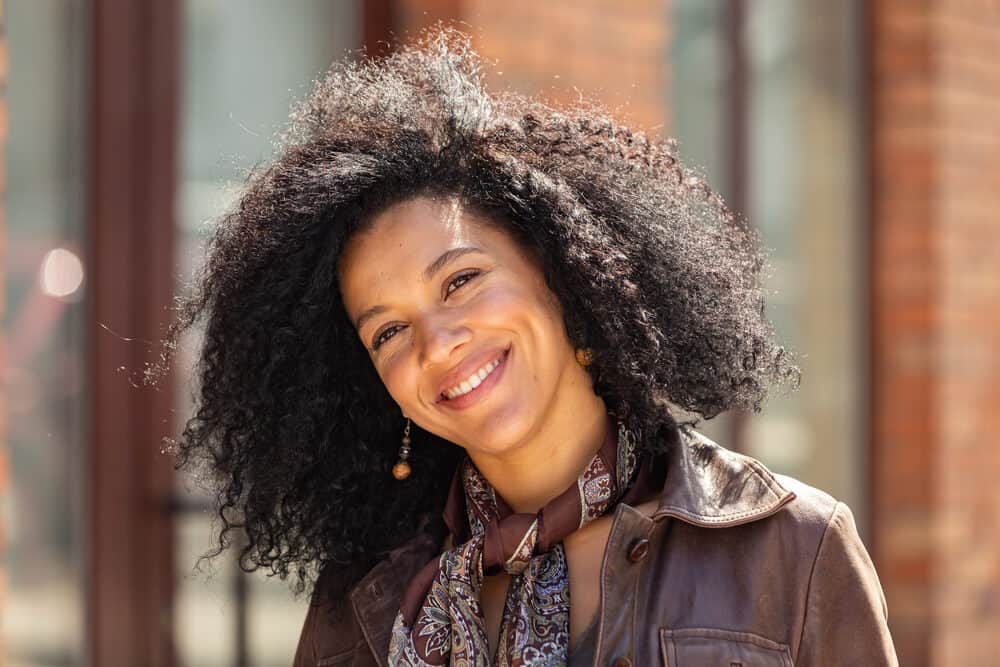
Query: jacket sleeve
[(846, 619), (330, 632)]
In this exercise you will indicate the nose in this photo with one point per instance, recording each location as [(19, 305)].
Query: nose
[(439, 337)]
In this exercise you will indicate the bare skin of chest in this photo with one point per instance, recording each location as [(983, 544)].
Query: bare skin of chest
[(584, 554)]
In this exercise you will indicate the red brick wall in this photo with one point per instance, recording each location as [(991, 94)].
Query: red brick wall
[(935, 132), (613, 53)]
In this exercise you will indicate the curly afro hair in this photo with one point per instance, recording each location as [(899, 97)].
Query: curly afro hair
[(291, 421)]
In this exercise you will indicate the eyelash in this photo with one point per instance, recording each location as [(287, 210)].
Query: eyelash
[(380, 338)]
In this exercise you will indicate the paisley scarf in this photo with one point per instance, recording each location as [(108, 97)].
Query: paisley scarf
[(440, 621)]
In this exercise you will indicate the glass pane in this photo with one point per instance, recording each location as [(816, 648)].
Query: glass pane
[(698, 115), (803, 191), (243, 65), (804, 184), (44, 317), (698, 58), (204, 610)]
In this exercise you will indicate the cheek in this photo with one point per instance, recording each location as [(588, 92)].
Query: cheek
[(398, 377), (528, 309)]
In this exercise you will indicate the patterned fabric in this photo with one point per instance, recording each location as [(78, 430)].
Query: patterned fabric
[(440, 621)]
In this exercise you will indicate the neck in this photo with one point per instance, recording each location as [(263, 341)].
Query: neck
[(535, 473)]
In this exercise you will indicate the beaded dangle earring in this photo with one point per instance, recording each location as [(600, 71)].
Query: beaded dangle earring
[(402, 468)]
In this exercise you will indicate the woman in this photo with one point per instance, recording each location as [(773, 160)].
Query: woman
[(455, 345)]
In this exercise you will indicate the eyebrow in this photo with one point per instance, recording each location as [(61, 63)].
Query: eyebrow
[(432, 268)]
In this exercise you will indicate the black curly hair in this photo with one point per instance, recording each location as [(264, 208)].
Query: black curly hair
[(292, 422)]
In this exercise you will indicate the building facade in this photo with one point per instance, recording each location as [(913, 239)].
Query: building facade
[(859, 138)]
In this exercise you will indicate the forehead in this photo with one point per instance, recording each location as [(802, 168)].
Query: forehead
[(405, 238), (404, 229)]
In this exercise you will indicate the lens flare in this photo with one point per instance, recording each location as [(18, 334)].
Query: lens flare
[(61, 273)]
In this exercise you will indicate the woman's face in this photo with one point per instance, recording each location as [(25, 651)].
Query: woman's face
[(443, 301)]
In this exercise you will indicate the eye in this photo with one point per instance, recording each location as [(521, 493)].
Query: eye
[(456, 282), (460, 280), (381, 337)]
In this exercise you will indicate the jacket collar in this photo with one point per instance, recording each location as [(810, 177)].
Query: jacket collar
[(708, 485)]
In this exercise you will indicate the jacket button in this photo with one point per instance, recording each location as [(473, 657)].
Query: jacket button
[(623, 661), (638, 550)]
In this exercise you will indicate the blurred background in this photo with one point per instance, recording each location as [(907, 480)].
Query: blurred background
[(860, 138)]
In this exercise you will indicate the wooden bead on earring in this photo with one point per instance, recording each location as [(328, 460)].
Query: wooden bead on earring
[(402, 468)]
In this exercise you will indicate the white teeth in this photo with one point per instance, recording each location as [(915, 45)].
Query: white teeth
[(473, 381)]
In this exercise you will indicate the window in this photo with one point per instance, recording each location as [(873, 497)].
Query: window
[(45, 283), (242, 66), (766, 98)]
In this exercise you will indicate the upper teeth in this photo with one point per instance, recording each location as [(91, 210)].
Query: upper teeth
[(473, 381)]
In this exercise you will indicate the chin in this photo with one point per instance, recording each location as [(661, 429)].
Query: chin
[(502, 432)]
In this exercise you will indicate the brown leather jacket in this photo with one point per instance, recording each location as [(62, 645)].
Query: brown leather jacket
[(737, 566)]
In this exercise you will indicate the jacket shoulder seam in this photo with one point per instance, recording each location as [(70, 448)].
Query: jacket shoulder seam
[(812, 572)]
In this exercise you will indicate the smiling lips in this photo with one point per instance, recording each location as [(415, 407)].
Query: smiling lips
[(472, 381), (476, 384)]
